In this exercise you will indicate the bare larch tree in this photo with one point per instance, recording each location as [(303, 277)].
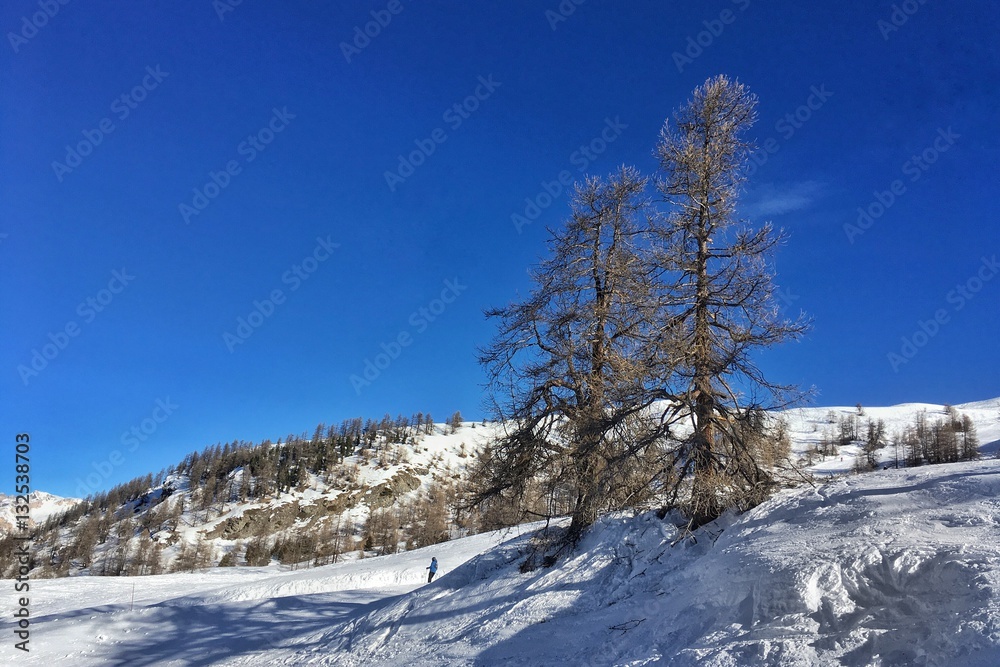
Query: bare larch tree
[(629, 372), (575, 365), (721, 300)]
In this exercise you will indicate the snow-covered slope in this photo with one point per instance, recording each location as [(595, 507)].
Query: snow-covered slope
[(342, 498), (807, 426), (396, 474), (899, 567), (896, 567), (246, 615), (41, 505)]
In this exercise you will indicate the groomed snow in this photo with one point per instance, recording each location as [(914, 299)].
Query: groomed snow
[(898, 567), (218, 616)]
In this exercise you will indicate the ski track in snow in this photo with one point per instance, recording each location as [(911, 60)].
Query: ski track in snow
[(897, 567)]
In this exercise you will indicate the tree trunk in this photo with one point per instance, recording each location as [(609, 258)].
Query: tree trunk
[(705, 505)]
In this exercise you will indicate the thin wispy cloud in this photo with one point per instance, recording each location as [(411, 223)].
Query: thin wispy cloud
[(770, 199)]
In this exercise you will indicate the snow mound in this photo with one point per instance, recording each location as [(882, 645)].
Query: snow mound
[(899, 567)]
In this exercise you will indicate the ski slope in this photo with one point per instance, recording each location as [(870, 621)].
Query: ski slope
[(221, 615), (896, 567)]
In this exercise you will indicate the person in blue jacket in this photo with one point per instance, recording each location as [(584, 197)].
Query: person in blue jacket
[(433, 567)]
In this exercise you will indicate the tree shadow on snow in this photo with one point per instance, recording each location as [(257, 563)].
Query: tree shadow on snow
[(201, 635)]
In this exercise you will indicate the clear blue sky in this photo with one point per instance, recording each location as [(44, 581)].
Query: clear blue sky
[(287, 143)]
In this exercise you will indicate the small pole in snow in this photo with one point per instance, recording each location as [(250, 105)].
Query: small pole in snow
[(132, 603)]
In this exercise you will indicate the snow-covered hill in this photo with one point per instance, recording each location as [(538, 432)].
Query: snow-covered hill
[(171, 522), (41, 505), (167, 520), (893, 567), (375, 482), (896, 567), (807, 426)]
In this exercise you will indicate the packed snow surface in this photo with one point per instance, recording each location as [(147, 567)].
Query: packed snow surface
[(896, 567)]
